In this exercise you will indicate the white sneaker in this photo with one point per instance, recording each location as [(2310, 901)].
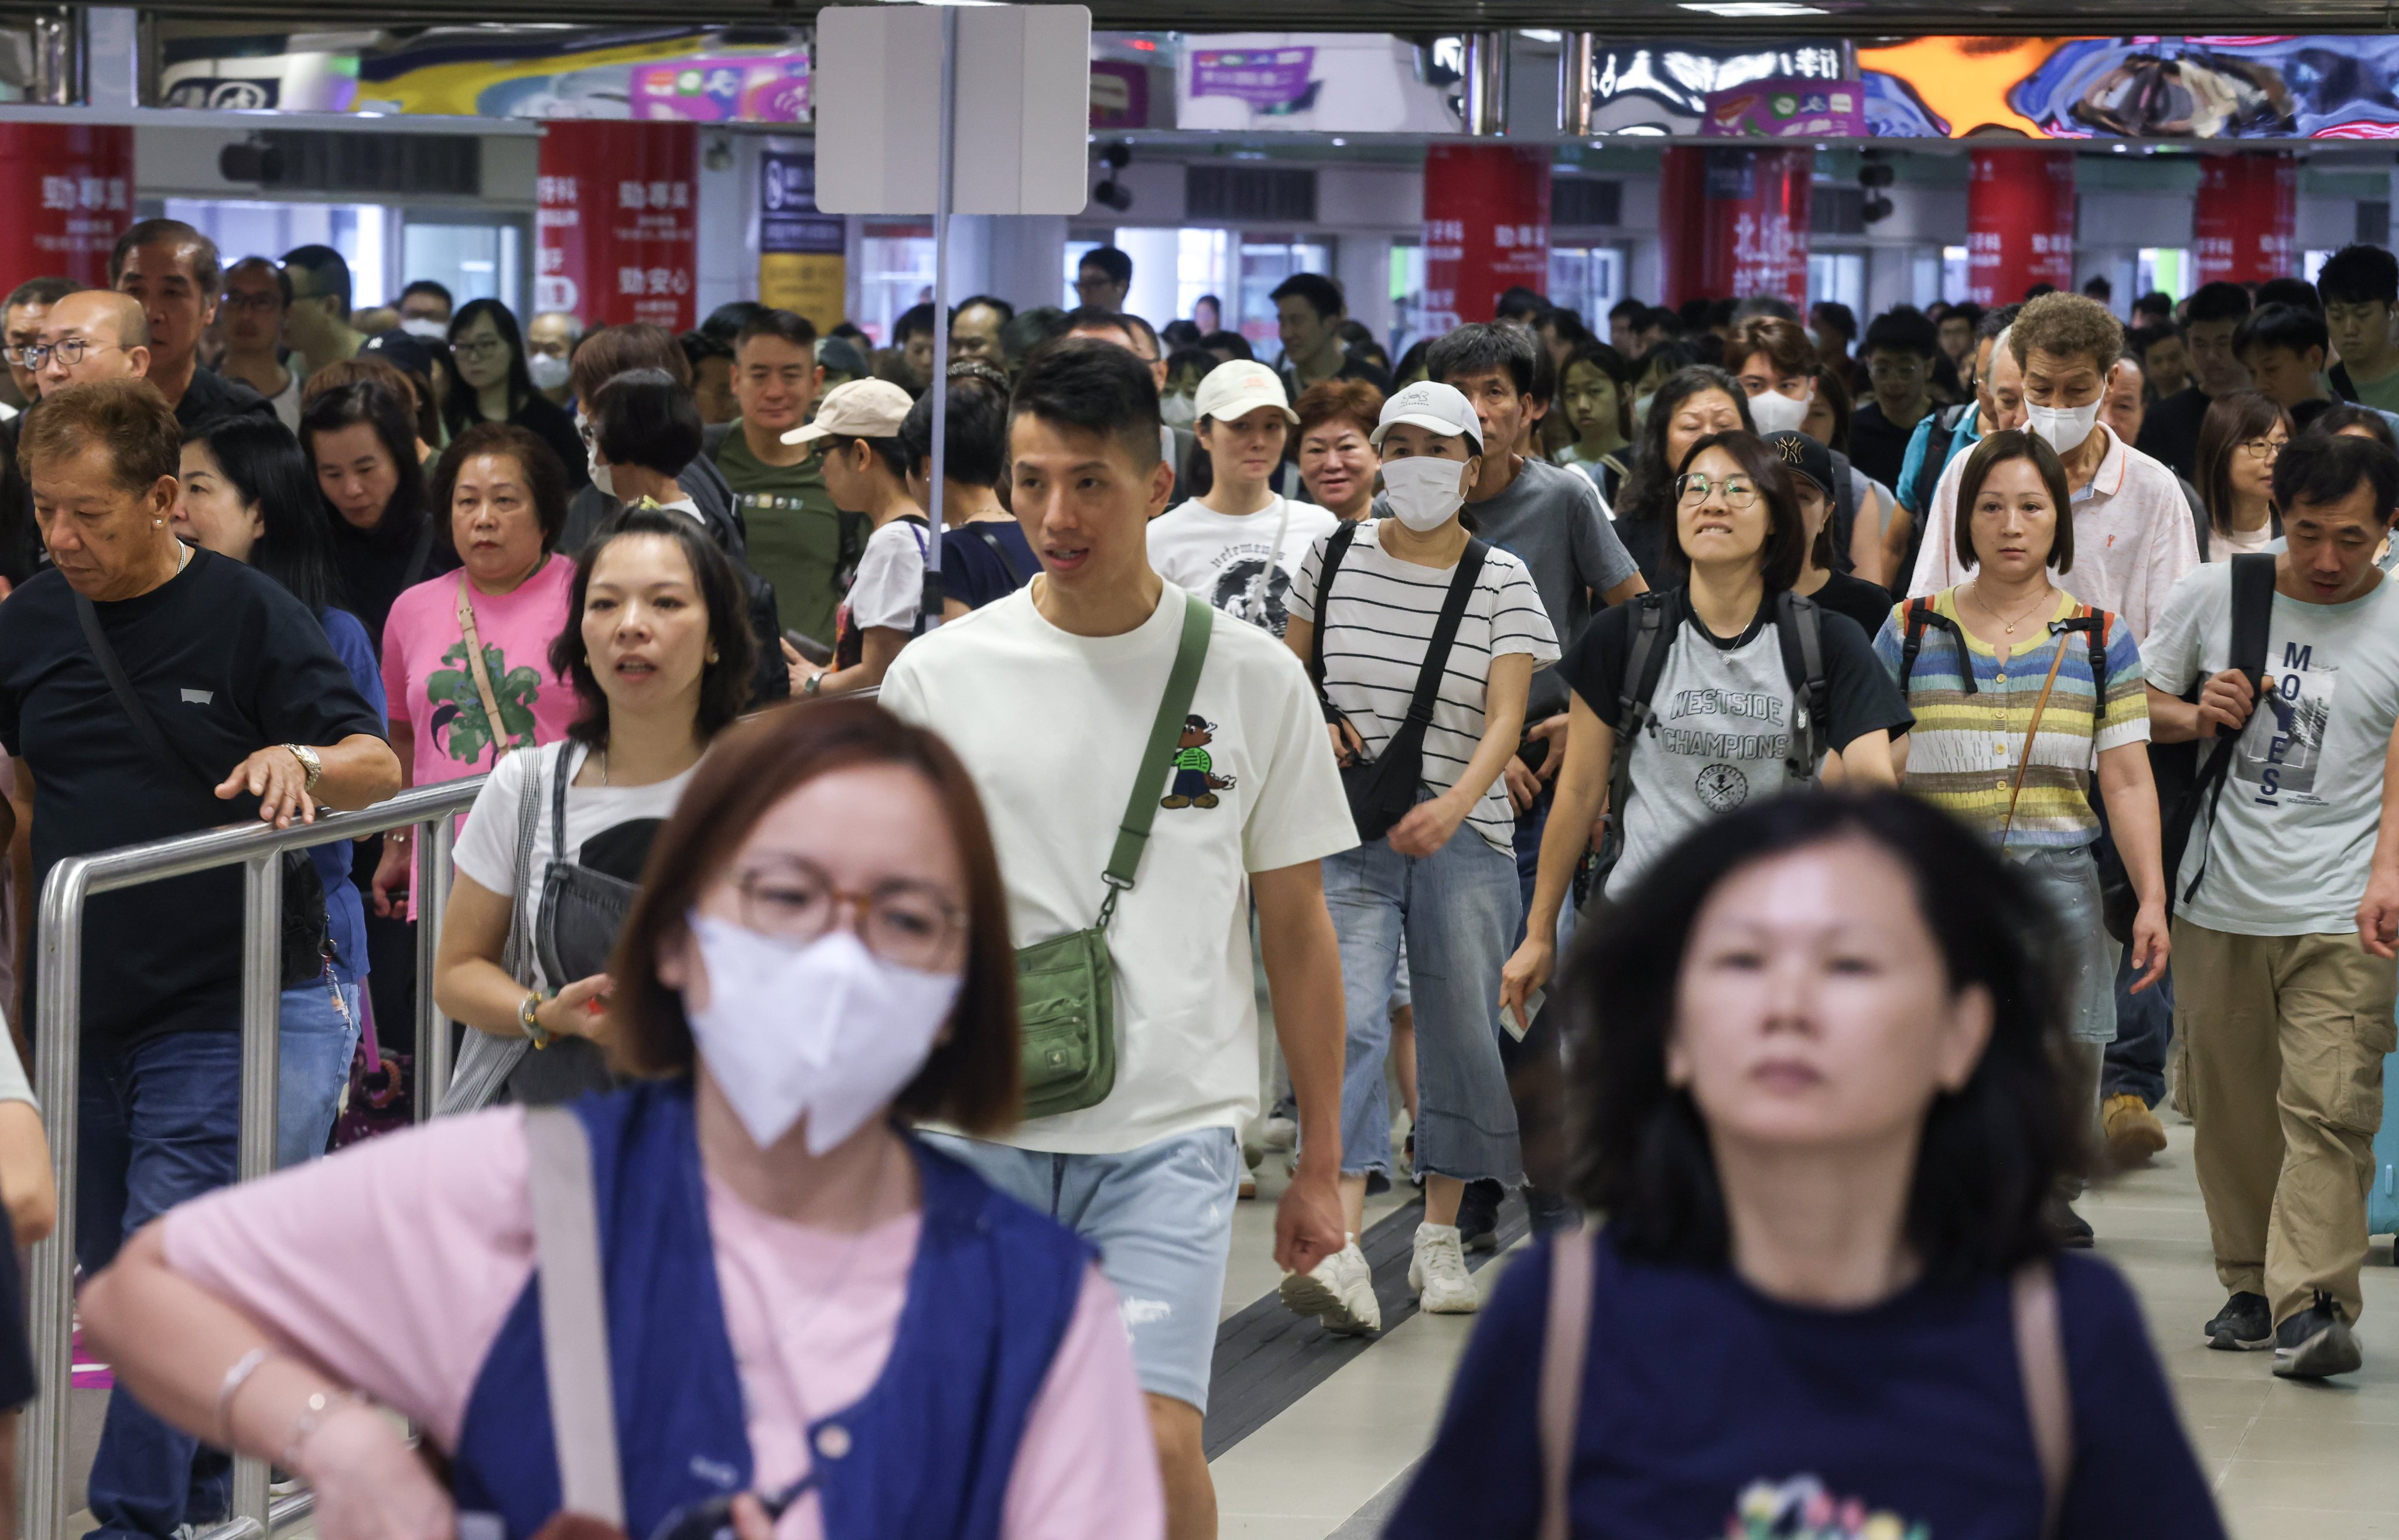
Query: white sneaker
[(1279, 1133), (1340, 1293), (1438, 1273)]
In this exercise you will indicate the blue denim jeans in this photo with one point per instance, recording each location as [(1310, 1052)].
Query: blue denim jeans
[(160, 1122), (1458, 910), (319, 1038), (2136, 1059)]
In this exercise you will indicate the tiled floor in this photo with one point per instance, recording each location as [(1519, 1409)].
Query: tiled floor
[(2289, 1462)]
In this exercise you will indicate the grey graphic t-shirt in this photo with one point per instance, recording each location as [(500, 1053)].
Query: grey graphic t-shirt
[(2294, 831), (1234, 560)]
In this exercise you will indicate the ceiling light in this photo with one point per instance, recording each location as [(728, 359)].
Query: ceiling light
[(1543, 35), (1339, 142), (1754, 8)]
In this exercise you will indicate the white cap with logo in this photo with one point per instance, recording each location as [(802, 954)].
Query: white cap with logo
[(857, 408), (1233, 389), (1430, 404)]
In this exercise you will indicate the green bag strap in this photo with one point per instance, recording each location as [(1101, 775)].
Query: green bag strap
[(1182, 683)]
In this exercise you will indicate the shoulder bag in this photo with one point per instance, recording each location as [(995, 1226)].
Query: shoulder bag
[(485, 1062), (1382, 790), (1066, 987), (501, 741), (307, 933)]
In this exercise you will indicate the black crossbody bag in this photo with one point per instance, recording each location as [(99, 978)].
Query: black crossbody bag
[(307, 935), (1383, 788)]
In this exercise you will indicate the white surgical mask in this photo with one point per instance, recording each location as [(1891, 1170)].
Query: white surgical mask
[(602, 477), (1641, 408), (1423, 493), (1176, 409), (427, 328), (548, 370), (828, 1030), (1775, 412), (2066, 428)]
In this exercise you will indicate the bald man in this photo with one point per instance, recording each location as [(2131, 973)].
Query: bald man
[(93, 334)]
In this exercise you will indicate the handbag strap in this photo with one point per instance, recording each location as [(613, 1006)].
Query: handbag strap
[(573, 1315), (2040, 1362), (2032, 730), (500, 746), (1564, 1347), (1182, 683), (1337, 546), (561, 773), (979, 530), (146, 726), (1444, 636), (1260, 584)]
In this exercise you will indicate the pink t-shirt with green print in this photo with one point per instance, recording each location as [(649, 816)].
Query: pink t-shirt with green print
[(432, 689)]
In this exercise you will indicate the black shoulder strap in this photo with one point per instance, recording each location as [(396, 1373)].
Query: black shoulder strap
[(1645, 664), (1445, 631), (146, 726), (2253, 612), (1801, 627), (1920, 613), (1937, 440), (999, 549), (1335, 549)]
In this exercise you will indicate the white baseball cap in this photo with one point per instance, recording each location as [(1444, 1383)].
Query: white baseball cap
[(1430, 404), (1233, 391), (857, 408)]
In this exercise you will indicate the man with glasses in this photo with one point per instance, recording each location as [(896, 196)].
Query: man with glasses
[(257, 296), (1102, 278), (1898, 352), (91, 334), (317, 320), (171, 271), (20, 325)]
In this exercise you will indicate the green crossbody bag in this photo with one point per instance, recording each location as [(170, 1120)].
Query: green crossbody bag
[(1066, 987)]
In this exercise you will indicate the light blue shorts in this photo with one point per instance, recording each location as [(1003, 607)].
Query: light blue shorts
[(1162, 1218)]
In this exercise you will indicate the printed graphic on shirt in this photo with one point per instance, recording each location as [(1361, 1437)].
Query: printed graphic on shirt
[(1801, 1508), (1195, 781), (459, 722), (2279, 761), (1240, 594), (1732, 724)]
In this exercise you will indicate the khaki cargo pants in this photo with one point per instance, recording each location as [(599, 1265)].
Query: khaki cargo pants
[(2282, 1039)]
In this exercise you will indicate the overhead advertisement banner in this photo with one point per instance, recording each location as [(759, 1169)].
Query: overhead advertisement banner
[(616, 220), (1317, 83), (801, 266)]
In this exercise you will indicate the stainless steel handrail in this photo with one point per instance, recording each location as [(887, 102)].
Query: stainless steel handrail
[(44, 1499)]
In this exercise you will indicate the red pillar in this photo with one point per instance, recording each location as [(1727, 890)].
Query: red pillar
[(1735, 222), (2019, 223), (69, 191), (619, 211), (2246, 217), (1486, 227)]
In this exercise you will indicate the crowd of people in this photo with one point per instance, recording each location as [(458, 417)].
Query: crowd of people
[(1365, 683)]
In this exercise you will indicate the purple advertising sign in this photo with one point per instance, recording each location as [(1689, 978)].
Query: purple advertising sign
[(1786, 109), (1263, 77), (767, 88)]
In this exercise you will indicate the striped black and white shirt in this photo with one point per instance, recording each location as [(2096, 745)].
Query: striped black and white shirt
[(1380, 618)]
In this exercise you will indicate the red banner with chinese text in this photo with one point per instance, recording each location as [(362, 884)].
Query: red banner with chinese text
[(1735, 222), (618, 222), (2019, 223), (2245, 223), (1486, 229), (69, 193)]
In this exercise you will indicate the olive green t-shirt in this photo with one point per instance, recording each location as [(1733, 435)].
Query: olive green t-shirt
[(794, 533)]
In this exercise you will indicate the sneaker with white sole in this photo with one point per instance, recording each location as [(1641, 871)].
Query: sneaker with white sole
[(1437, 1272), (1340, 1293), (1278, 1132)]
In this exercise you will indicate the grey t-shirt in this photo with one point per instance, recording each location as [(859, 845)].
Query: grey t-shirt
[(1549, 518)]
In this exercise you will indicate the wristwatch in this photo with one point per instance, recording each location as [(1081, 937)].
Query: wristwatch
[(530, 1021), (816, 682), (309, 762)]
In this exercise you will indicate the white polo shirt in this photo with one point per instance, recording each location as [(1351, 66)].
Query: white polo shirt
[(2132, 537)]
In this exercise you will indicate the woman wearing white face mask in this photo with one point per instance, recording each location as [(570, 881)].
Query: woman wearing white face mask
[(804, 1306), (1423, 642)]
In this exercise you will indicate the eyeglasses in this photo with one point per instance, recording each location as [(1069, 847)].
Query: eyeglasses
[(1739, 493), (2263, 449), (908, 924), (71, 351), (481, 349)]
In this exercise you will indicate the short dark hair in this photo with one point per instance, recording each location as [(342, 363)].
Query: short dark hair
[(729, 321), (1784, 554), (2232, 420), (613, 350), (1323, 294), (915, 318), (545, 478), (1964, 310), (970, 1081), (1234, 343), (888, 450), (2296, 292), (2140, 339), (976, 447), (384, 407), (1998, 318), (642, 418), (1083, 383), (1631, 308), (699, 346), (1648, 490), (1615, 368), (206, 269), (1480, 347), (426, 286), (2319, 468), (724, 681), (2359, 275), (128, 418), (1836, 316), (1108, 260), (2338, 415), (266, 467), (1786, 343), (1902, 329), (1091, 318), (2284, 325), (992, 303), (49, 292), (326, 266), (2215, 302), (266, 265), (1030, 331), (1990, 1151), (2157, 301), (1996, 450), (1516, 301), (787, 325)]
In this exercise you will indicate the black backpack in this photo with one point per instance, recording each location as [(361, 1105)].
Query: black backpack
[(1937, 440), (1799, 623), (2198, 781)]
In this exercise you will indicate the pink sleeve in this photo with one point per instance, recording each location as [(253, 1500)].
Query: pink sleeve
[(396, 703), (1088, 1467), (390, 1265)]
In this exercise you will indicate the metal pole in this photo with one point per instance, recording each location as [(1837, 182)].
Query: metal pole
[(946, 167), (1487, 82), (42, 1500), (433, 841), (1574, 87), (262, 1000)]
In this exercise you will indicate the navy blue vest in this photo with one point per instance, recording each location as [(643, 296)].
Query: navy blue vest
[(927, 1452)]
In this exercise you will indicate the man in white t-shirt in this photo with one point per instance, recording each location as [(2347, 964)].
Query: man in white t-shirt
[(1048, 695), (2284, 982), (1238, 544)]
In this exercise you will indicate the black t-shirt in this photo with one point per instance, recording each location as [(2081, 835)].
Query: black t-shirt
[(17, 1380), (210, 399), (974, 574), (1877, 445), (228, 663), (2170, 431), (1865, 602)]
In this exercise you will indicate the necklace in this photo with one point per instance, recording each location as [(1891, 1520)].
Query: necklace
[(603, 765), (1996, 614)]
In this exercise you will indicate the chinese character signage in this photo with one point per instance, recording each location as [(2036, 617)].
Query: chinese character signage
[(800, 264), (617, 222), (773, 88), (1486, 229), (2019, 223), (1787, 109), (71, 193), (2245, 219), (1272, 79)]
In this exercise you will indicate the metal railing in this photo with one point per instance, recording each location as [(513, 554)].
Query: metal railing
[(45, 1484)]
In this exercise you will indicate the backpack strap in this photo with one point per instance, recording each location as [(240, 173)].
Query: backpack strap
[(1801, 627), (2049, 1400), (1645, 664), (1564, 1349), (1921, 616), (1335, 549), (2253, 614)]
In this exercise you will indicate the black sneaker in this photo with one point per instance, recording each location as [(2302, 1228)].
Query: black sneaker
[(2244, 1324), (1478, 1215), (2316, 1343), (2068, 1228), (1550, 1211)]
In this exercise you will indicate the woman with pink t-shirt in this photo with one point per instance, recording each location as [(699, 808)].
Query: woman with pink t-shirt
[(471, 646), (800, 1320)]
